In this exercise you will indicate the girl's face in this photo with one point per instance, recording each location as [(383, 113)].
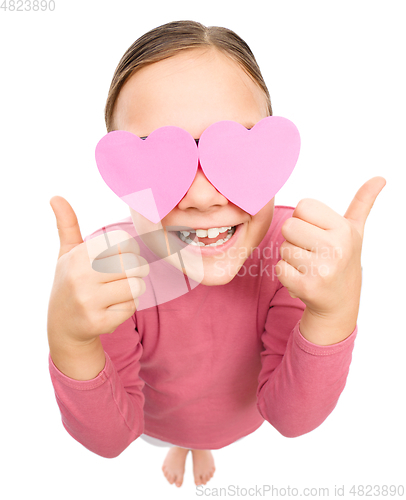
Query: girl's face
[(192, 90)]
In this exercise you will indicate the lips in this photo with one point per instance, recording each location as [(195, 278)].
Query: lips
[(216, 251), (193, 237)]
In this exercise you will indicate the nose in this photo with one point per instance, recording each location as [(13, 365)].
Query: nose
[(202, 194)]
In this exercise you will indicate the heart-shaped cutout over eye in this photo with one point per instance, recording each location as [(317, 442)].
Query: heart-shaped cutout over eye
[(151, 175), (249, 167)]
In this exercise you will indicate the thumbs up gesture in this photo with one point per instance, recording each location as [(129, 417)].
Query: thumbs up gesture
[(321, 263), (85, 303)]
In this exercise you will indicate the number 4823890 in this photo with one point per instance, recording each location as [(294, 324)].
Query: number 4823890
[(25, 5)]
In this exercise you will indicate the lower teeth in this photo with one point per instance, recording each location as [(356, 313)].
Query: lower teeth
[(217, 243)]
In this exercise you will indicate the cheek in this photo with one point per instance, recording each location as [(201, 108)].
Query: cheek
[(260, 223), (142, 224), (264, 217)]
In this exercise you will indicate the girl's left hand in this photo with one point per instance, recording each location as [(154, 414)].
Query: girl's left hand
[(321, 257)]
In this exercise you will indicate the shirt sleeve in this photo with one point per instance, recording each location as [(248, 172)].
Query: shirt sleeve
[(300, 382), (105, 414)]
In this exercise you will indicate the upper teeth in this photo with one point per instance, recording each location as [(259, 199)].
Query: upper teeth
[(212, 232)]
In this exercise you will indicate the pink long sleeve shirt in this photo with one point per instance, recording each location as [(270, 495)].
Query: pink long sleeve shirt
[(209, 366)]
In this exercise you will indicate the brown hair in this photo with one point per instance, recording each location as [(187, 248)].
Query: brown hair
[(166, 41)]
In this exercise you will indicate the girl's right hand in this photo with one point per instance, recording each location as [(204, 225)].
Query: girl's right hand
[(85, 303)]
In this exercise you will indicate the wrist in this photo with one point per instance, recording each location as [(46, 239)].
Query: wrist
[(326, 330), (79, 361)]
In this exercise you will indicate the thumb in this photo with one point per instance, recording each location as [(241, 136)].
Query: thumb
[(363, 201), (67, 224)]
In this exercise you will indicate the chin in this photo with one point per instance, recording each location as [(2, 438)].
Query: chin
[(213, 281), (217, 278)]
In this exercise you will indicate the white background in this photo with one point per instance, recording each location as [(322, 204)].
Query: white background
[(336, 69)]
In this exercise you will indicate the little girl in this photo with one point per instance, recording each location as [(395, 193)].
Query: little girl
[(204, 367)]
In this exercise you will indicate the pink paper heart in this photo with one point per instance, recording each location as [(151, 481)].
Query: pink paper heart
[(151, 175), (249, 167)]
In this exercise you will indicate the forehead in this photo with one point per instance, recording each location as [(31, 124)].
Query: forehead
[(191, 90)]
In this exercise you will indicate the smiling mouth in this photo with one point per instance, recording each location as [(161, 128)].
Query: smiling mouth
[(191, 238)]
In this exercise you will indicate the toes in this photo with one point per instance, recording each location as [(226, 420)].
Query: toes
[(207, 477), (173, 478), (169, 477), (204, 478)]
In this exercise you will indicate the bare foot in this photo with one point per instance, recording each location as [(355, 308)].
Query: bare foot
[(203, 466), (174, 465)]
